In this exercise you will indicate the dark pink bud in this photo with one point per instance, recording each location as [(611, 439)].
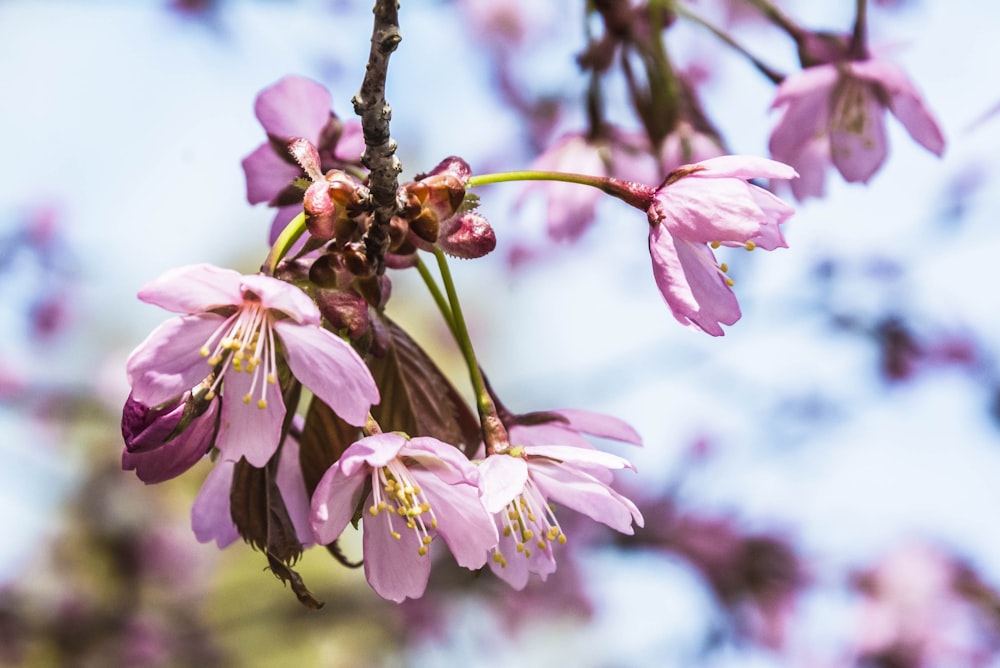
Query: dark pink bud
[(154, 449), (467, 236), (307, 156)]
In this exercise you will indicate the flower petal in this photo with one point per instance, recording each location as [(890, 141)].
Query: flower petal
[(858, 144), (691, 284), (501, 479), (706, 210), (210, 515), (294, 107), (292, 486), (572, 455), (371, 451), (194, 288), (446, 461), (393, 567), (333, 504), (586, 495), (267, 174), (742, 167), (462, 520), (176, 456), (280, 296), (168, 363), (329, 367), (246, 430), (599, 424)]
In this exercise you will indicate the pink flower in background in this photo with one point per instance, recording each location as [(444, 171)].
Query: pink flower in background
[(296, 107), (517, 488), (835, 112), (416, 488), (228, 338), (700, 207), (570, 209)]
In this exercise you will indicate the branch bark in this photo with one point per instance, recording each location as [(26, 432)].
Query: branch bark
[(380, 148)]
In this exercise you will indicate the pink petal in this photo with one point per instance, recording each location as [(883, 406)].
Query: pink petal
[(502, 478), (280, 296), (462, 520), (599, 424), (193, 289), (292, 486), (329, 367), (776, 211), (393, 567), (294, 107), (176, 456), (706, 210), (906, 102), (858, 144), (807, 96), (518, 567), (351, 144), (586, 495), (267, 174), (210, 515), (445, 461), (168, 363), (371, 452), (546, 433), (333, 504), (571, 455), (246, 430), (742, 167), (691, 284), (811, 163)]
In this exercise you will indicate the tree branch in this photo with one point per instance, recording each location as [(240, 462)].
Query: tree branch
[(380, 149)]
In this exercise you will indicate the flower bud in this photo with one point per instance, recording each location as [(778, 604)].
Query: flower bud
[(467, 236)]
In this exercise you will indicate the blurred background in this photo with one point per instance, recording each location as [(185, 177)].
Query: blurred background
[(819, 485)]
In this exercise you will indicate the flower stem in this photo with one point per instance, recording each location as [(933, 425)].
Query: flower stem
[(636, 194), (778, 18), (494, 433), (293, 230), (769, 72), (439, 298), (859, 36)]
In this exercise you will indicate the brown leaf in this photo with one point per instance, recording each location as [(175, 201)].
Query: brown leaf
[(324, 438), (260, 514), (417, 398)]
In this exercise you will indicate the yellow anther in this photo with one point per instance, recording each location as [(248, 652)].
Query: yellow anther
[(723, 267), (214, 360), (204, 351), (730, 282), (497, 558), (520, 547), (541, 544), (271, 379), (410, 524), (373, 509), (527, 534), (506, 532), (562, 539), (527, 553), (400, 510), (395, 534), (426, 540), (553, 533), (422, 551), (434, 523), (425, 507), (262, 404), (209, 395), (749, 245), (715, 244), (246, 399)]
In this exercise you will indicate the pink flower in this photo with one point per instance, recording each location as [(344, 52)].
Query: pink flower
[(153, 450), (835, 112), (566, 427), (211, 519), (233, 333), (571, 209), (517, 486), (416, 488), (700, 207), (296, 107)]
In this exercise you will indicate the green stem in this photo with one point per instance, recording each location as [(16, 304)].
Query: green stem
[(494, 433), (636, 194), (769, 72), (439, 298), (284, 242)]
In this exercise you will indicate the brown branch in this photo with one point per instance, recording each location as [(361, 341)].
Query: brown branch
[(380, 149)]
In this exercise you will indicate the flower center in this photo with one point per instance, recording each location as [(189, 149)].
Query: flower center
[(395, 491), (244, 342), (529, 522), (852, 110)]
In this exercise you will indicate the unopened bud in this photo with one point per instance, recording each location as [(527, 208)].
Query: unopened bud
[(467, 236)]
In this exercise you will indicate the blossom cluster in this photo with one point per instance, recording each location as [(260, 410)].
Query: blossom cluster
[(318, 411)]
